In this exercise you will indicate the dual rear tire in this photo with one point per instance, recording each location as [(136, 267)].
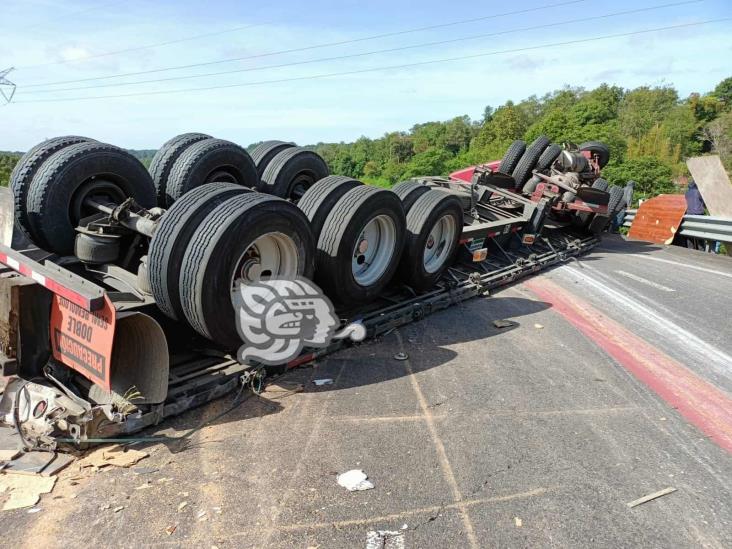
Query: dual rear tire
[(359, 244), (54, 180), (214, 239), (434, 224)]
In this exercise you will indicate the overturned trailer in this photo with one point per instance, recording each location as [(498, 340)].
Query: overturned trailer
[(117, 305)]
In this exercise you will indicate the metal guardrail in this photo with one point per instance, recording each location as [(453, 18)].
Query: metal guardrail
[(704, 227), (629, 217)]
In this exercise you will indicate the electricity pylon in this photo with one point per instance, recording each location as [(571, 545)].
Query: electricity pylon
[(7, 88)]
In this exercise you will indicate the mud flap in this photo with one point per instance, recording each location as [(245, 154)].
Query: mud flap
[(140, 363)]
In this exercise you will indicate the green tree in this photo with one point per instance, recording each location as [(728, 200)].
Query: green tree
[(643, 108), (723, 92), (719, 134), (7, 163), (508, 123), (555, 124), (457, 135), (597, 106), (430, 162), (652, 176), (682, 129), (400, 146)]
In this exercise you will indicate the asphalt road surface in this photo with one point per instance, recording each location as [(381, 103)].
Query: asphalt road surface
[(613, 383)]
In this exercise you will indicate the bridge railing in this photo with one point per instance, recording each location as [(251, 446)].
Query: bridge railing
[(704, 227)]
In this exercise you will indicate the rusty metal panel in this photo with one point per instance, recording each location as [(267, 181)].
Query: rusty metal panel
[(659, 219), (714, 186), (9, 313), (24, 314)]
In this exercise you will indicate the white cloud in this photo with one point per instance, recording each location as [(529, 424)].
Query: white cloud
[(328, 109)]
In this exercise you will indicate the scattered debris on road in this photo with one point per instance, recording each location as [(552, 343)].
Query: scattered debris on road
[(518, 522), (24, 490), (355, 480), (321, 382), (500, 324), (281, 389), (650, 497), (116, 455), (539, 326), (401, 356), (385, 539)]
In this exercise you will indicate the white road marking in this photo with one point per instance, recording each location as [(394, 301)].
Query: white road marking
[(693, 345), (645, 281), (385, 539), (694, 267)]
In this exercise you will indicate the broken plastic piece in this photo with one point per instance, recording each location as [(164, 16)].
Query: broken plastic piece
[(325, 381), (355, 480)]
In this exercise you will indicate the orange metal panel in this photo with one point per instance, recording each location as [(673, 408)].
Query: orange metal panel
[(658, 219), (82, 339)]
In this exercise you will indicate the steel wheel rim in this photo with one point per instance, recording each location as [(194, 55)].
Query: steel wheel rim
[(438, 245), (374, 250), (271, 255)]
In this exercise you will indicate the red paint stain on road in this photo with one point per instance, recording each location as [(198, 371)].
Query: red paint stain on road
[(700, 402)]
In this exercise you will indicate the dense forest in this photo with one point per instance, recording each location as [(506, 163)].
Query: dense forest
[(650, 131)]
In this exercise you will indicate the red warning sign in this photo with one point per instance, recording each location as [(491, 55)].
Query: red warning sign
[(83, 339)]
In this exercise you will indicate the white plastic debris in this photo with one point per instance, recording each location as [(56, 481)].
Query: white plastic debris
[(325, 381), (385, 539), (355, 480)]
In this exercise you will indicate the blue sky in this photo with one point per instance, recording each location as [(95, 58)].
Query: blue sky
[(338, 108)]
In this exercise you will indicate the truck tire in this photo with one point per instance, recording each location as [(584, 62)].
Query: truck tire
[(292, 172), (209, 161), (360, 245), (168, 244), (319, 200), (511, 158), (55, 203), (166, 156), (522, 172), (266, 151), (616, 196), (434, 225), (228, 247), (530, 185), (600, 184), (408, 192), (26, 168), (599, 148), (547, 158)]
